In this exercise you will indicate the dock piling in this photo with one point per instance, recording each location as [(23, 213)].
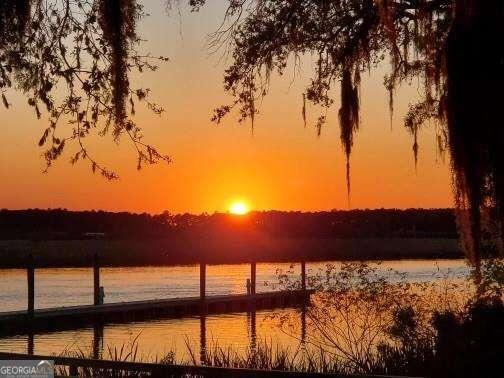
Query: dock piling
[(203, 339), (251, 319), (252, 278), (202, 281), (303, 275), (31, 343), (97, 340), (31, 285), (96, 280)]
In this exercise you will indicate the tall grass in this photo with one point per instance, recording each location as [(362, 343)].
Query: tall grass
[(265, 356), (269, 356), (362, 323), (127, 352)]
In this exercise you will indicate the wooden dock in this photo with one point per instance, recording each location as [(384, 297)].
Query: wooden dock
[(16, 322), (37, 320)]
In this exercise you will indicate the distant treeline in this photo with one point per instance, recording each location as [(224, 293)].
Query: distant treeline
[(58, 224), (69, 238)]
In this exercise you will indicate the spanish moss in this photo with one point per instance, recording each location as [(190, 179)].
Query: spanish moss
[(117, 19), (71, 60), (348, 118), (452, 48), (475, 81), (14, 16)]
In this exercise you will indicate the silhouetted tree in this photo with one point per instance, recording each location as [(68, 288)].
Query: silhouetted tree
[(453, 46), (385, 223)]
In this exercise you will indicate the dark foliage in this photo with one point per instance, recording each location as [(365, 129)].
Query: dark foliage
[(475, 78), (63, 224), (72, 60), (64, 238), (465, 345), (453, 48)]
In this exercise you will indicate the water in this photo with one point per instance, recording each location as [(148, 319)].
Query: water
[(74, 286), (66, 287)]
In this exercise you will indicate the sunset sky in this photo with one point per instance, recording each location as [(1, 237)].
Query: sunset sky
[(281, 166)]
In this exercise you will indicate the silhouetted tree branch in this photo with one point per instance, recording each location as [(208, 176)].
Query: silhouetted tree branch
[(86, 49), (72, 59), (454, 48)]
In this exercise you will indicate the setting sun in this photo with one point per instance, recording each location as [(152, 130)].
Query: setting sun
[(239, 208)]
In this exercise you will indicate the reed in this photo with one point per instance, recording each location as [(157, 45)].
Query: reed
[(404, 331)]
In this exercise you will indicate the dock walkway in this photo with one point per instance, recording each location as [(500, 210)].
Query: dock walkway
[(69, 317)]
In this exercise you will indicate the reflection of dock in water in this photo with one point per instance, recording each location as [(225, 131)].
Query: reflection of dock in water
[(98, 335)]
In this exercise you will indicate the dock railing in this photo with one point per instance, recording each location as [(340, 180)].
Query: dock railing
[(97, 295), (79, 366)]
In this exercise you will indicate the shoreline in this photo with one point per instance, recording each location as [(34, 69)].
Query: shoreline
[(185, 251)]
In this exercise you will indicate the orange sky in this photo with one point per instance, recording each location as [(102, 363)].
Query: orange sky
[(282, 166)]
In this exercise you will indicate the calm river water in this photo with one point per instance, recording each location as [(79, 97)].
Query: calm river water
[(66, 287)]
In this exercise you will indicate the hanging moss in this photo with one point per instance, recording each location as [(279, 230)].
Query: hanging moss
[(454, 49), (71, 59), (348, 117), (475, 81), (117, 19), (14, 16)]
